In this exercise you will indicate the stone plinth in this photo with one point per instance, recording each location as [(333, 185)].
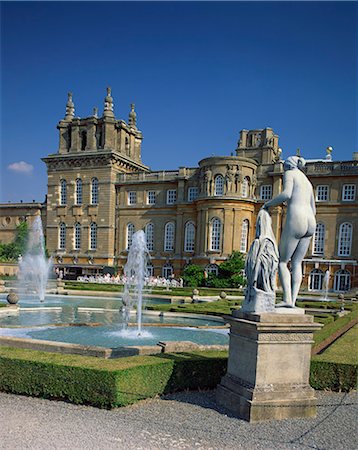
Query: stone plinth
[(268, 367)]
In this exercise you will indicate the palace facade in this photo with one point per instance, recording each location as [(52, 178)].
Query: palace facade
[(100, 193)]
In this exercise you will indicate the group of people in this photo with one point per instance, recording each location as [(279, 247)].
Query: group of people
[(151, 281)]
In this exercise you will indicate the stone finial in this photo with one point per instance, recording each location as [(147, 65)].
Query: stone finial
[(70, 107), (298, 152), (132, 121), (95, 112), (108, 104)]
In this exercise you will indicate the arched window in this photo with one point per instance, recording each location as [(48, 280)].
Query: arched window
[(93, 236), (316, 280), (345, 239), (245, 187), (244, 236), (169, 233), (130, 232), (94, 191), (167, 271), (149, 234), (318, 239), (78, 191), (212, 268), (219, 185), (342, 281), (62, 236), (189, 237), (83, 140), (215, 235), (77, 236), (63, 192)]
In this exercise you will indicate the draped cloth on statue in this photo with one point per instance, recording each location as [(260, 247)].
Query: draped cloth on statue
[(261, 268)]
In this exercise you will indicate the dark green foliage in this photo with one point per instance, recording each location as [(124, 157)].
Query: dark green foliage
[(193, 275), (11, 251), (333, 376), (230, 273), (120, 382), (106, 383)]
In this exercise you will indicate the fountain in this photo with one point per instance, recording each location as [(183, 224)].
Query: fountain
[(135, 272), (34, 266), (326, 284)]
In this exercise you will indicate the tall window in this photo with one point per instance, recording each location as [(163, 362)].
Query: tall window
[(219, 185), (169, 233), (316, 280), (348, 192), (130, 232), (63, 192), (132, 198), (149, 234), (245, 187), (77, 237), (244, 236), (151, 198), (93, 236), (318, 239), (193, 193), (266, 192), (62, 236), (189, 237), (342, 281), (215, 235), (167, 270), (345, 239), (171, 196), (322, 193), (78, 191), (94, 191)]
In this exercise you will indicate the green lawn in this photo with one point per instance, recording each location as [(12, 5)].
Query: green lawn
[(344, 350)]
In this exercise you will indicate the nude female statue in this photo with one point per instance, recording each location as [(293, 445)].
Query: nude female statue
[(299, 227)]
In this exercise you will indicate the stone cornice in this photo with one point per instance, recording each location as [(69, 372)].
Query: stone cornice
[(92, 159)]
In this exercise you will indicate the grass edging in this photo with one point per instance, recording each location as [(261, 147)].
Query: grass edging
[(121, 382)]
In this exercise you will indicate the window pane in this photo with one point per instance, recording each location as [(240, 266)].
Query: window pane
[(94, 191), (78, 191), (93, 236), (149, 233), (130, 232), (132, 198), (192, 193), (171, 196), (215, 235), (63, 192), (244, 236), (169, 237), (77, 243), (151, 197), (189, 237), (345, 239), (266, 192), (62, 237), (318, 240)]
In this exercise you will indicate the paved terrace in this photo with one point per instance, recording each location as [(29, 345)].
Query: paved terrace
[(187, 420)]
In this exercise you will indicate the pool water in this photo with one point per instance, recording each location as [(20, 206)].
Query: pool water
[(43, 321)]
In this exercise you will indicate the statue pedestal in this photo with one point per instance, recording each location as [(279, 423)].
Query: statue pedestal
[(268, 367)]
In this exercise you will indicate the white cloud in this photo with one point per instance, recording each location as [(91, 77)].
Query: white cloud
[(21, 167)]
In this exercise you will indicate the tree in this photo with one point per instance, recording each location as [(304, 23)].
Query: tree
[(193, 275), (11, 251), (230, 272)]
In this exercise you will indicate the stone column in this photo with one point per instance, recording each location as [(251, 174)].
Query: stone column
[(269, 365)]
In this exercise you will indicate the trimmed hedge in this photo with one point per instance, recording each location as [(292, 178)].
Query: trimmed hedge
[(333, 376), (107, 383), (119, 382)]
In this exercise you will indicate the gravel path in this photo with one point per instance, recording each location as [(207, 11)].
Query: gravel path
[(187, 420)]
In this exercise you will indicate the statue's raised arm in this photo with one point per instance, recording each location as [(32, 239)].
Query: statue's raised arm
[(299, 227)]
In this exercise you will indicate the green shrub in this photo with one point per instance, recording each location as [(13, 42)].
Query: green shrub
[(193, 275), (333, 376), (106, 383)]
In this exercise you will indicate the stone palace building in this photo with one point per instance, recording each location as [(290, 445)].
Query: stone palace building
[(100, 192)]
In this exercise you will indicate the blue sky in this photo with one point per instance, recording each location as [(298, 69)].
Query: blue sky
[(198, 73)]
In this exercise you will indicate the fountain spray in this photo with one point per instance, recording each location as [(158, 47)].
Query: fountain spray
[(34, 267), (135, 272)]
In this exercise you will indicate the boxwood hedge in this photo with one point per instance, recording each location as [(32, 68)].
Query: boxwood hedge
[(118, 382)]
